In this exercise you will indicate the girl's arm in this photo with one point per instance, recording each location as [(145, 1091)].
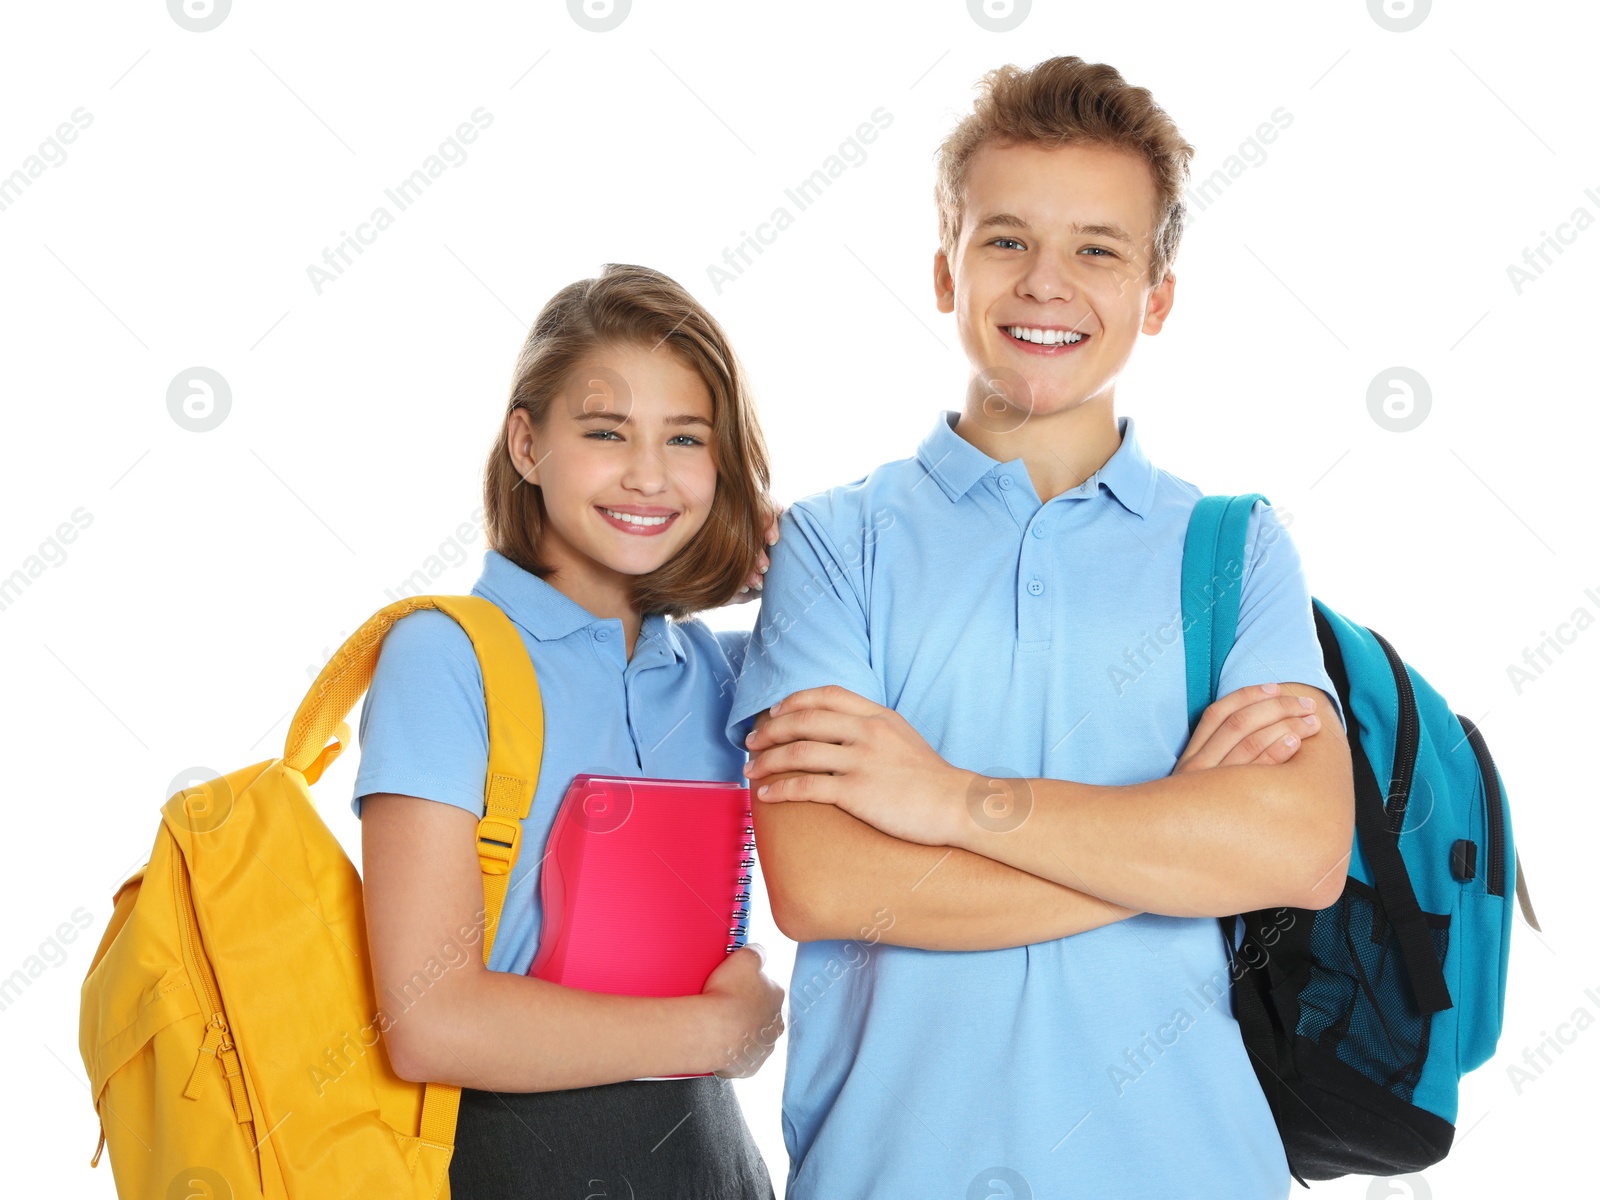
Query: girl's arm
[(449, 1019)]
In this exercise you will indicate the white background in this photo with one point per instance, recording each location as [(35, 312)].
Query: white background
[(219, 568)]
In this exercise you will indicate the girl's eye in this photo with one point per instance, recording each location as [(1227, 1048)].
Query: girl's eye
[(694, 441)]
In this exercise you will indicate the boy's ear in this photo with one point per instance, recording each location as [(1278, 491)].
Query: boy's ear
[(944, 284), (1159, 307)]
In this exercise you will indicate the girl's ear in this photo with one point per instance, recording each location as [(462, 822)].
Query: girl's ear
[(523, 444)]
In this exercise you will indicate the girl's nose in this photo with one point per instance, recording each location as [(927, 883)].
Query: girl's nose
[(647, 471)]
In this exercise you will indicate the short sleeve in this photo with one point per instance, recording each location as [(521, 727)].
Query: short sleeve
[(424, 729), (812, 627), (1277, 637), (734, 643)]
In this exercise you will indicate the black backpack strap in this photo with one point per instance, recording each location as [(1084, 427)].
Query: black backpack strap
[(1381, 846)]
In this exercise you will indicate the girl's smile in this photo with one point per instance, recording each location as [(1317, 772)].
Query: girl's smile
[(638, 520)]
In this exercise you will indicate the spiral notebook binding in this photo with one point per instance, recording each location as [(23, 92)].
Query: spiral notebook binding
[(739, 929)]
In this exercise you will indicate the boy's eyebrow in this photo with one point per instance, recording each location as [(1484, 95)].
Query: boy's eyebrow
[(680, 419), (1095, 229)]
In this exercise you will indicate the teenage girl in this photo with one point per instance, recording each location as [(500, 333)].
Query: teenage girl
[(626, 491)]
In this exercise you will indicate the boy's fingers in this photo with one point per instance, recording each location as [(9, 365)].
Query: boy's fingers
[(1223, 707), (1278, 753), (1244, 712), (1257, 723), (1271, 740)]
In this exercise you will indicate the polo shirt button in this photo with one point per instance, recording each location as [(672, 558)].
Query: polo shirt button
[(1038, 531), (1005, 482), (1035, 587), (601, 634)]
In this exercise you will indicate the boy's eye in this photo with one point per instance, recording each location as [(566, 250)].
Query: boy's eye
[(1098, 251)]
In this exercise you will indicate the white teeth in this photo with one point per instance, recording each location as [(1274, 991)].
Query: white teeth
[(1043, 337), (633, 520)]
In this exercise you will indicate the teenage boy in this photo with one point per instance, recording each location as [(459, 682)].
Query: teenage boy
[(984, 818)]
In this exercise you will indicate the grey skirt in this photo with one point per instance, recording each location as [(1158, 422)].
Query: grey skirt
[(668, 1139)]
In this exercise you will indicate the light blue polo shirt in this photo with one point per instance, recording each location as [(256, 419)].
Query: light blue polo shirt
[(1020, 639), (424, 728)]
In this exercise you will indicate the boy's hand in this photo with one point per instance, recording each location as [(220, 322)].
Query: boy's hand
[(862, 757), (1254, 725), (751, 588)]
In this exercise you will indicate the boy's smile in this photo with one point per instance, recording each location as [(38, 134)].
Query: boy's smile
[(1049, 281), (1046, 340)]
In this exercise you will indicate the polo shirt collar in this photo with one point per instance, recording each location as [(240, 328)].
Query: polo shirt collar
[(547, 613), (956, 464)]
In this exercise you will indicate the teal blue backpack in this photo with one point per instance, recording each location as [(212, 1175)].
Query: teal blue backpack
[(1361, 1018)]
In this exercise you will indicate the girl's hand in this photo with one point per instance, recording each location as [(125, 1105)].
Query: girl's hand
[(747, 1010), (751, 588), (1255, 725)]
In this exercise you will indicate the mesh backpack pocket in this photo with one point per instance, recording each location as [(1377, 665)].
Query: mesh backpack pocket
[(1357, 1004)]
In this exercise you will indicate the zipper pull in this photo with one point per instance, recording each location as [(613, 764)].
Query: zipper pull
[(216, 1032), (234, 1070), (95, 1161)]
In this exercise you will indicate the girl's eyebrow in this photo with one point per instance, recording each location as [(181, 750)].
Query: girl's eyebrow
[(680, 419)]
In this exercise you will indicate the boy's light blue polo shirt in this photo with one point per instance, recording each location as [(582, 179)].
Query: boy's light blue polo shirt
[(1020, 639), (424, 727)]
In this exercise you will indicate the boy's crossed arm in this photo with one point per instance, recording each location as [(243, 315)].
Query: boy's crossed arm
[(895, 834)]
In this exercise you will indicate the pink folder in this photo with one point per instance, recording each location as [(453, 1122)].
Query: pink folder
[(645, 884)]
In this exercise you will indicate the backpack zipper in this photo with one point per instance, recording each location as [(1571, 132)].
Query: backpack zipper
[(1406, 738), (1495, 808), (218, 1044)]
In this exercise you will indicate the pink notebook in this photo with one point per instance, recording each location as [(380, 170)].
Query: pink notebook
[(645, 884)]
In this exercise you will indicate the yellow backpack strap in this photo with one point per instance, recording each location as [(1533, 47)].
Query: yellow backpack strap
[(516, 747)]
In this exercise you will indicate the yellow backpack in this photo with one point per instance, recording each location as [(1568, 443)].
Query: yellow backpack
[(228, 1022)]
